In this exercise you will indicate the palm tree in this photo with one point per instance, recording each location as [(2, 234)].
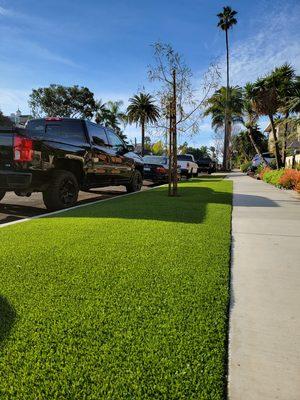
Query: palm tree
[(225, 109), (142, 110), (243, 146), (265, 101), (269, 95), (250, 120), (111, 115), (288, 85), (226, 21)]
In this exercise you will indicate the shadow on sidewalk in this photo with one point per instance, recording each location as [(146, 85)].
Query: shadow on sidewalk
[(247, 200)]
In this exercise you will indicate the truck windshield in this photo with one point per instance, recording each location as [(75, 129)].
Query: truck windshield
[(184, 157), (155, 160)]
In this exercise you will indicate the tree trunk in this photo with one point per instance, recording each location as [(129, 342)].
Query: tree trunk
[(229, 150), (277, 152), (174, 172), (284, 142), (170, 154), (143, 137), (226, 138), (257, 149)]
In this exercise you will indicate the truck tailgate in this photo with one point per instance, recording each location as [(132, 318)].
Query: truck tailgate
[(6, 149)]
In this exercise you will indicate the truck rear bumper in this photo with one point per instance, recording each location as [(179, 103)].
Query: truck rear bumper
[(15, 180), (184, 171)]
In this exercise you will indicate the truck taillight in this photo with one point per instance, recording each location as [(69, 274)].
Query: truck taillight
[(160, 170), (188, 164), (53, 119), (23, 149)]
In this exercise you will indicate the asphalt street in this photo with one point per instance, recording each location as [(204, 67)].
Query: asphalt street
[(13, 207)]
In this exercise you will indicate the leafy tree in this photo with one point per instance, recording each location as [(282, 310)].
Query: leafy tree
[(5, 121), (198, 153), (182, 149), (226, 21), (158, 148), (63, 101), (142, 110)]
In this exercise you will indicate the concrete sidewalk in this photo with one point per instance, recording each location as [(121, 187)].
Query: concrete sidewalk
[(264, 338)]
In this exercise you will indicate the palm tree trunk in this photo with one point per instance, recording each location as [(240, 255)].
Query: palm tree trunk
[(229, 132), (143, 137), (226, 138), (284, 142), (277, 152), (257, 149)]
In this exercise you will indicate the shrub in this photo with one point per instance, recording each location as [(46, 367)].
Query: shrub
[(245, 166), (273, 164), (273, 176), (290, 179), (262, 170), (298, 187)]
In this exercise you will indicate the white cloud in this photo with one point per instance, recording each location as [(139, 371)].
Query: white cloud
[(4, 11)]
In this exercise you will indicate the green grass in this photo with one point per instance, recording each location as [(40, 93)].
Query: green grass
[(127, 299)]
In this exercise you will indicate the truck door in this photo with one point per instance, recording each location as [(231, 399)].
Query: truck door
[(122, 165), (102, 153)]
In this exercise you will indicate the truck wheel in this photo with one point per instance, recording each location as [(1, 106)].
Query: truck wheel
[(136, 182), (2, 194), (62, 191)]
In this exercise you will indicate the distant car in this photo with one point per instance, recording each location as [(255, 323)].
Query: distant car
[(257, 160), (206, 164), (188, 166), (156, 168)]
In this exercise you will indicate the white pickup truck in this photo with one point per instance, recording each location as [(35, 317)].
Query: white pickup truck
[(187, 164)]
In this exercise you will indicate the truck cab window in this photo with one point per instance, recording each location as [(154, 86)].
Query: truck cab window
[(114, 140), (97, 134)]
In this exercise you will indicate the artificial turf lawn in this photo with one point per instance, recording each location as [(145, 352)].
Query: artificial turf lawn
[(127, 299)]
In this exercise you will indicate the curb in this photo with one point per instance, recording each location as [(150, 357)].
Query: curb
[(19, 221)]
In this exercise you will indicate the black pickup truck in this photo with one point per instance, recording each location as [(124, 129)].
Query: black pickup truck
[(60, 156)]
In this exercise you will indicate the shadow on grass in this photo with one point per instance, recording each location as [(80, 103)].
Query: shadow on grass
[(189, 207), (7, 319)]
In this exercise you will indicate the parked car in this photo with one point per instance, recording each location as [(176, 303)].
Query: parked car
[(206, 164), (257, 160), (156, 168), (60, 156), (188, 166)]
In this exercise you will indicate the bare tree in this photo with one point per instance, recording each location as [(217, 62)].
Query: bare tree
[(181, 109)]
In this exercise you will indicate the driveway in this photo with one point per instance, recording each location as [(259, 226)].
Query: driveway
[(14, 208)]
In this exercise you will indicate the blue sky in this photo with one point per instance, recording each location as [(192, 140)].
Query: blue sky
[(105, 45)]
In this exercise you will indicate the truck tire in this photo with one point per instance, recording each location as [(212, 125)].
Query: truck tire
[(136, 182), (62, 192), (2, 194)]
